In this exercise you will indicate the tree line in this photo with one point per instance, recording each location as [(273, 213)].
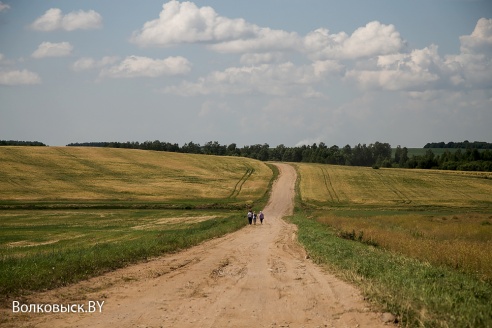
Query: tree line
[(20, 143), (375, 155), (463, 145)]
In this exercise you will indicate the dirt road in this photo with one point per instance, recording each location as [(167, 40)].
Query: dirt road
[(256, 277)]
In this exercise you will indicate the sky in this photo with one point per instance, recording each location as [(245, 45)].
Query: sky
[(247, 72)]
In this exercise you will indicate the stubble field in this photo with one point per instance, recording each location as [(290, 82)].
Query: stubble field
[(70, 174)]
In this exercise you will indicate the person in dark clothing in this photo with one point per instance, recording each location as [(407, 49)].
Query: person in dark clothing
[(250, 217), (262, 216)]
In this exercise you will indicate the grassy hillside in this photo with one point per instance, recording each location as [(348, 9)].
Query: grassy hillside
[(71, 174)]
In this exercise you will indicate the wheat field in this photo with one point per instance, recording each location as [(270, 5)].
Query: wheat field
[(332, 185), (30, 174)]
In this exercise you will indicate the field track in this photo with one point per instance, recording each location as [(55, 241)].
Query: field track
[(256, 277)]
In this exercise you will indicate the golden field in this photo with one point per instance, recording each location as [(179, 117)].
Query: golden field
[(332, 185), (30, 174)]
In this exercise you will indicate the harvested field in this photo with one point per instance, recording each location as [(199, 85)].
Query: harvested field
[(60, 174), (331, 185)]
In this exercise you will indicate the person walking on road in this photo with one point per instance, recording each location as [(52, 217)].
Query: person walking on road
[(262, 216), (250, 217), (254, 217)]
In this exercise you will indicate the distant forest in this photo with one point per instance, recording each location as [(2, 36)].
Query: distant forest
[(20, 143), (376, 155), (461, 145), (462, 156)]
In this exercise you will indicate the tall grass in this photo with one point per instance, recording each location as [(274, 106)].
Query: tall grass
[(459, 241), (421, 294)]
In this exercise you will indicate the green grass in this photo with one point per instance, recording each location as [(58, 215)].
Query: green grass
[(420, 294), (47, 249)]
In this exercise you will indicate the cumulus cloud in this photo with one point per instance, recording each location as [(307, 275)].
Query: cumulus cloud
[(371, 40), (186, 23), (424, 69), (135, 66), (87, 63), (480, 40), (373, 56), (3, 6), (414, 71), (473, 66), (53, 19), (48, 49), (17, 77)]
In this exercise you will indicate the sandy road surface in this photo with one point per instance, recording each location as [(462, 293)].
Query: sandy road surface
[(255, 277)]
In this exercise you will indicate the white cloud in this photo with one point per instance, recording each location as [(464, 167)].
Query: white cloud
[(473, 66), (3, 6), (87, 63), (414, 71), (135, 66), (48, 49), (372, 55), (480, 40), (16, 77), (371, 40), (186, 23), (53, 19)]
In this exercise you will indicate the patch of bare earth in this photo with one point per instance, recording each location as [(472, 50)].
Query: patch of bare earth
[(256, 277)]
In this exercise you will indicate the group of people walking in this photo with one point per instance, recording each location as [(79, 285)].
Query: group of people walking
[(252, 217)]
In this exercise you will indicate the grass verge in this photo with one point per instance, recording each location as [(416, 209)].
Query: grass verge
[(420, 294)]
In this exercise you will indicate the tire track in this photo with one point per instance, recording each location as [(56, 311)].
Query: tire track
[(403, 198), (329, 186), (239, 185)]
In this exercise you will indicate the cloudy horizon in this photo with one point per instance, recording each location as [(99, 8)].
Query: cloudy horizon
[(263, 72)]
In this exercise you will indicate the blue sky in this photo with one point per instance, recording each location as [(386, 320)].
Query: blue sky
[(274, 71)]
